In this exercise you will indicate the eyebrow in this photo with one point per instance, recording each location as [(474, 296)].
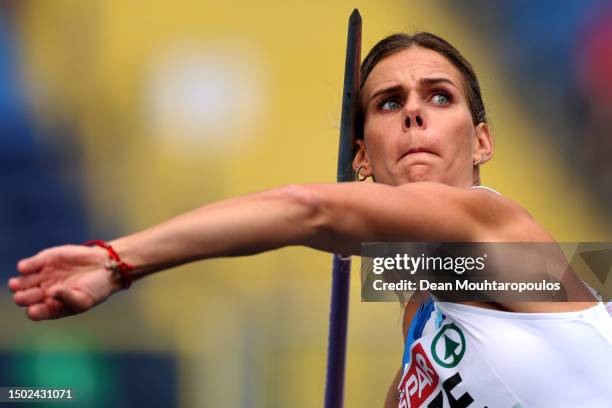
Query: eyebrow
[(422, 81)]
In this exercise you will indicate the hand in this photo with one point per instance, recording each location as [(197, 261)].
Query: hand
[(63, 281)]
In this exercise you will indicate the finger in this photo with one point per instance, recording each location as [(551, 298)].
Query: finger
[(58, 309), (32, 264), (46, 311), (13, 284), (24, 282), (53, 302), (73, 299), (29, 296)]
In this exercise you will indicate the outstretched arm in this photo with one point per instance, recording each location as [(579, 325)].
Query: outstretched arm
[(331, 217)]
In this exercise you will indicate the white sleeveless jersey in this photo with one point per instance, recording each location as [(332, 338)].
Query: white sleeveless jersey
[(468, 356)]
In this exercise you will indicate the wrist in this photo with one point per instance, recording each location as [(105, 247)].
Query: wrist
[(116, 283), (125, 251), (136, 253), (119, 269)]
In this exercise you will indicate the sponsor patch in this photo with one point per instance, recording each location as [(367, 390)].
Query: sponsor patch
[(419, 381), (448, 347)]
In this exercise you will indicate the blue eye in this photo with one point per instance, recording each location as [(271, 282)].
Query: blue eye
[(390, 105), (441, 98)]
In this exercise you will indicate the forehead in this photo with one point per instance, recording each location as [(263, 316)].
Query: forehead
[(408, 66)]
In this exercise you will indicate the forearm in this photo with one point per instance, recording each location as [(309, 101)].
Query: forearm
[(243, 225)]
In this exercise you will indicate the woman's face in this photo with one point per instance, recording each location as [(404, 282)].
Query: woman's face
[(418, 125)]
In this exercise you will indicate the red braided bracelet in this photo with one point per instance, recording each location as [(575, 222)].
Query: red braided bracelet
[(116, 265)]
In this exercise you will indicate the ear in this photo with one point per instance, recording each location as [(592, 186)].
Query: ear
[(483, 146), (362, 159)]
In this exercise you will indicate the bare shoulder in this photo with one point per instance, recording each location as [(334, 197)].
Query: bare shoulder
[(497, 218), (509, 221)]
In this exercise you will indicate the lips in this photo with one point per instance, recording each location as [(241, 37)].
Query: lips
[(416, 150)]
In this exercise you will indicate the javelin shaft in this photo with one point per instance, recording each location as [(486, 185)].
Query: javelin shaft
[(338, 319), (346, 150)]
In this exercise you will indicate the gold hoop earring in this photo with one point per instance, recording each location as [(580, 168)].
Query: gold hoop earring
[(359, 176)]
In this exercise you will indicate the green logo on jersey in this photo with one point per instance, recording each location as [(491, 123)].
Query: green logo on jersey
[(448, 347)]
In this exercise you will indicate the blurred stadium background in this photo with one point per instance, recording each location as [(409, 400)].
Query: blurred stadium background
[(116, 115)]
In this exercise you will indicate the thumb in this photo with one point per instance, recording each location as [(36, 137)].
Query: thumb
[(74, 299)]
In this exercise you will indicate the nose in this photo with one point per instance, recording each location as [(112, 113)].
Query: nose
[(415, 120), (415, 117)]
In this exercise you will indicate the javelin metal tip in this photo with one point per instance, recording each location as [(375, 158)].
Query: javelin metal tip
[(355, 16)]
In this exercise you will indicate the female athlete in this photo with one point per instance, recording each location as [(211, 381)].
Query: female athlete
[(424, 137)]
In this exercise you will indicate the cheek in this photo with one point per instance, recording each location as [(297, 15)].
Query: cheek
[(374, 136), (460, 133)]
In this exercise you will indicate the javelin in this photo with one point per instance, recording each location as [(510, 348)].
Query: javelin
[(338, 316)]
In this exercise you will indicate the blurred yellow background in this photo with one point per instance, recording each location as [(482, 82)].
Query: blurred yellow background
[(177, 104)]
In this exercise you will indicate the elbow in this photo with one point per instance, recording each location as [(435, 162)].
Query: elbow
[(308, 208)]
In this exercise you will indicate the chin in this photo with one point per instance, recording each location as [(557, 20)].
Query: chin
[(419, 172)]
